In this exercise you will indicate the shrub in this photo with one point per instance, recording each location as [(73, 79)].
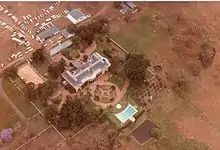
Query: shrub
[(155, 133)]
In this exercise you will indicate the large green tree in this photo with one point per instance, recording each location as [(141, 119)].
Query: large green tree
[(72, 113), (56, 69), (136, 66), (38, 55)]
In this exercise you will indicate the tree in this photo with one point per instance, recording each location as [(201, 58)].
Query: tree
[(206, 57), (72, 112), (51, 114), (135, 67), (41, 92), (30, 91), (38, 55), (56, 69), (117, 4)]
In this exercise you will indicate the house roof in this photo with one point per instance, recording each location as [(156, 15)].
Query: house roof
[(76, 14), (60, 47), (49, 32), (66, 34), (131, 5), (95, 65)]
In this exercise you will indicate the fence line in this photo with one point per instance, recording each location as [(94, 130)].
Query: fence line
[(30, 140)]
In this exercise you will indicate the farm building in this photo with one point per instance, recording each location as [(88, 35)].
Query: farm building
[(66, 34), (95, 66), (76, 16), (47, 33), (60, 47)]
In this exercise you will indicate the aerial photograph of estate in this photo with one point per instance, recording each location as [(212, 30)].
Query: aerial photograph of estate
[(123, 75)]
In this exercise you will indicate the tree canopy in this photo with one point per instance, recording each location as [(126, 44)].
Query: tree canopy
[(41, 91), (56, 69), (72, 112), (38, 55), (135, 67)]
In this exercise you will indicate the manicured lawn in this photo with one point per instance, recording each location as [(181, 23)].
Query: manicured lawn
[(18, 98), (117, 80)]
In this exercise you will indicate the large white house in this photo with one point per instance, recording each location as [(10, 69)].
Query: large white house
[(87, 72)]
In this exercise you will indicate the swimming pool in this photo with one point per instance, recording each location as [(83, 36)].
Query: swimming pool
[(127, 113)]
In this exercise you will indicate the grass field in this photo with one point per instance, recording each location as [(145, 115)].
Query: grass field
[(18, 98), (165, 114), (137, 37), (7, 115)]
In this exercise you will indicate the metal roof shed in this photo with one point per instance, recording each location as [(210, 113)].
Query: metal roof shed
[(66, 34), (60, 47), (76, 16), (131, 5), (49, 32)]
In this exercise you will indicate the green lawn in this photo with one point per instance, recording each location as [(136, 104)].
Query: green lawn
[(18, 99), (117, 80), (136, 37)]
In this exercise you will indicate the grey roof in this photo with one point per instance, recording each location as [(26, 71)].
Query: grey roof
[(78, 64), (76, 14), (131, 5), (60, 47), (49, 32), (91, 69), (66, 34)]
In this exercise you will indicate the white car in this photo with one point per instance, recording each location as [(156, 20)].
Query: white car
[(1, 8), (6, 11), (24, 17), (9, 14), (49, 19)]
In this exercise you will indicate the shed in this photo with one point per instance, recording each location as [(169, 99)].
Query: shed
[(60, 47)]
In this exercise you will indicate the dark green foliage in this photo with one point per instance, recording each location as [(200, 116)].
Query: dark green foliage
[(136, 66), (56, 69), (38, 55)]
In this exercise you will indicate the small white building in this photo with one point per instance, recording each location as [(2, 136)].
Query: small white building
[(76, 16)]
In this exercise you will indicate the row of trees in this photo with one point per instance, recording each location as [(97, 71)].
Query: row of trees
[(72, 113), (86, 34), (41, 92)]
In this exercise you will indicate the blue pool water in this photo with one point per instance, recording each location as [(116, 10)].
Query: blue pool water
[(128, 112)]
